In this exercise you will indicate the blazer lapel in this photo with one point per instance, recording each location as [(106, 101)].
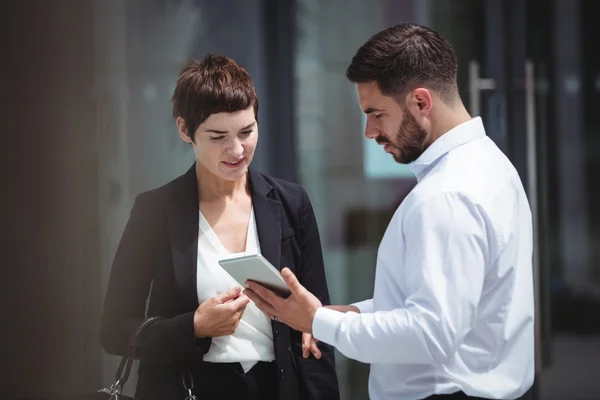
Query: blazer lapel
[(183, 214), (267, 213)]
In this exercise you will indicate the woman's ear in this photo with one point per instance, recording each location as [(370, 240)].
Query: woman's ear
[(182, 129)]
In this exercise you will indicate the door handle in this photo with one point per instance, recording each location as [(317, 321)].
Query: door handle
[(532, 194), (476, 86)]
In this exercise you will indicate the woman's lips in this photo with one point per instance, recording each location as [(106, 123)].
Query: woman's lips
[(234, 164)]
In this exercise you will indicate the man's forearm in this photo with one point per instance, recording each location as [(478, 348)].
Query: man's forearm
[(344, 309)]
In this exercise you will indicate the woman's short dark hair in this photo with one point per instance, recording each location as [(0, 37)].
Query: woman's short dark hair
[(216, 84), (404, 57)]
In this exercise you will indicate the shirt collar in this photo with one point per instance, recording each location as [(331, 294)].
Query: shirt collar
[(459, 135)]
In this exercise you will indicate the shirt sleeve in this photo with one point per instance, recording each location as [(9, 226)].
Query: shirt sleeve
[(446, 251), (365, 306)]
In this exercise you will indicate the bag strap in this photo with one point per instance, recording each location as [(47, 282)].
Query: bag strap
[(188, 384), (126, 363)]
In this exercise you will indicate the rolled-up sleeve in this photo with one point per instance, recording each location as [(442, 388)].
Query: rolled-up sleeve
[(446, 251)]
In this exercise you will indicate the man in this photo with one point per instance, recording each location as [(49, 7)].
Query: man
[(452, 315)]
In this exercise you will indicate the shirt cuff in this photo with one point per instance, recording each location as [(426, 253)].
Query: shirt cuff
[(365, 306), (325, 325)]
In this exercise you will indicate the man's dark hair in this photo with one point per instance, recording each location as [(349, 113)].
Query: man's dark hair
[(405, 57), (216, 84)]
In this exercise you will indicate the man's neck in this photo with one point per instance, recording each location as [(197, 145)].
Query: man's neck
[(448, 118)]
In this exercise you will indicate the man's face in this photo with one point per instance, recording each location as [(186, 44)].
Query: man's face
[(391, 124)]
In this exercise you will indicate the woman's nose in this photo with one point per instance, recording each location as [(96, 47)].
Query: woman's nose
[(236, 148)]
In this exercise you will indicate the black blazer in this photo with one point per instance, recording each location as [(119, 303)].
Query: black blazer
[(157, 257)]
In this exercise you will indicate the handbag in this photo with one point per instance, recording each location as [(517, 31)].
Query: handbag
[(115, 391)]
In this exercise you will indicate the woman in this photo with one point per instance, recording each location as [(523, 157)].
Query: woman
[(177, 234)]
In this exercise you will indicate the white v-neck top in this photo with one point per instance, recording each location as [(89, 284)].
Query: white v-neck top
[(252, 341)]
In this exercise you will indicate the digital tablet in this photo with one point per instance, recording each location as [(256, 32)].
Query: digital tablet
[(255, 268)]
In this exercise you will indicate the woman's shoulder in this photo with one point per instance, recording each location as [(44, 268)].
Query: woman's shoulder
[(158, 196), (282, 184), (283, 189)]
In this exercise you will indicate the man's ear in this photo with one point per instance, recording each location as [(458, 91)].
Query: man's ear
[(422, 100)]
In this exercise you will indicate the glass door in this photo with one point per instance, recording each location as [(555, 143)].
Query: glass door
[(564, 73), (536, 84)]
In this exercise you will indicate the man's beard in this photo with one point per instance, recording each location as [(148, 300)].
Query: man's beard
[(409, 140)]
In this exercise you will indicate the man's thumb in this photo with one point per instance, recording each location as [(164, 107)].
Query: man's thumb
[(291, 280)]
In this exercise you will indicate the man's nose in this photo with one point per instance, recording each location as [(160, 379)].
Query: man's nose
[(370, 131)]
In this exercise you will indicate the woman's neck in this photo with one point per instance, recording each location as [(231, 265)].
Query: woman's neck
[(211, 187)]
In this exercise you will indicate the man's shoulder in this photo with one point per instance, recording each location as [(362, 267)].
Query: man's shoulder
[(436, 201)]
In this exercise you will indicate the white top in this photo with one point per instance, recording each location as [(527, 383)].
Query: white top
[(253, 338), (453, 305)]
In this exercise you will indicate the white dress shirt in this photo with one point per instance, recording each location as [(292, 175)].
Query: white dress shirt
[(453, 305), (252, 341)]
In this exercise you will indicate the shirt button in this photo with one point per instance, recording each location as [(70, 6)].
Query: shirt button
[(281, 374), (277, 334)]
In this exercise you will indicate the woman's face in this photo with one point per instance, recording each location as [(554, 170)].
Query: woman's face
[(224, 144)]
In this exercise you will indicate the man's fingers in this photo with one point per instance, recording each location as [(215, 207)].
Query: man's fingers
[(306, 339), (309, 345), (264, 293), (260, 303), (229, 295), (291, 280), (315, 349)]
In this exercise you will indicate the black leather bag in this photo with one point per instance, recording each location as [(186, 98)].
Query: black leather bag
[(114, 392)]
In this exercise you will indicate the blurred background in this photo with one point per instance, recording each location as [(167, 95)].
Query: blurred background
[(85, 104)]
